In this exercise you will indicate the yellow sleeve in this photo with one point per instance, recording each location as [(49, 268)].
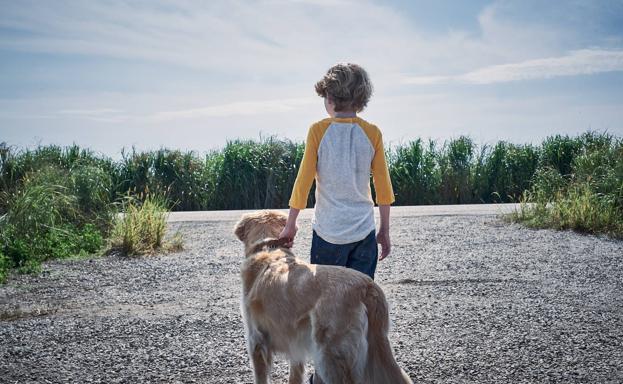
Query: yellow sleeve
[(380, 173), (307, 170)]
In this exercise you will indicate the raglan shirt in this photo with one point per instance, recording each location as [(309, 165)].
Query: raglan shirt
[(340, 154)]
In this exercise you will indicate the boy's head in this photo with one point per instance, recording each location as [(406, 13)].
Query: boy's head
[(346, 86)]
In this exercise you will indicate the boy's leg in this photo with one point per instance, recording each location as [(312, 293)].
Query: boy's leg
[(323, 252), (363, 257)]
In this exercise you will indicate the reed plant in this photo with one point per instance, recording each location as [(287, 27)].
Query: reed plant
[(415, 173), (16, 164), (251, 174), (141, 227), (558, 152), (460, 171), (180, 176), (455, 165), (507, 172)]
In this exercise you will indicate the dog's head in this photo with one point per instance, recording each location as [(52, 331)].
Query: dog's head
[(257, 226)]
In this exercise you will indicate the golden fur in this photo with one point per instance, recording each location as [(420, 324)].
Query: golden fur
[(335, 315)]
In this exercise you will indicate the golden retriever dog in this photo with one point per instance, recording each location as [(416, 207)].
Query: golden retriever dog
[(336, 316)]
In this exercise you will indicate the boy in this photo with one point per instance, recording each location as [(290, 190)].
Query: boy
[(340, 153)]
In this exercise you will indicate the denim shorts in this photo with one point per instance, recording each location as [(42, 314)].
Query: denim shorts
[(361, 255)]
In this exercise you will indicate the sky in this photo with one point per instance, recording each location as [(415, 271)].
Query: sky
[(192, 75)]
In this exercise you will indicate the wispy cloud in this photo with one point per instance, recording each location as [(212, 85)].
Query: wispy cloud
[(237, 109), (581, 62), (89, 112), (105, 115), (262, 37)]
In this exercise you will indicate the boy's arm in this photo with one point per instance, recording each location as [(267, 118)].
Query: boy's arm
[(302, 185), (307, 171), (383, 236), (384, 194), (380, 174)]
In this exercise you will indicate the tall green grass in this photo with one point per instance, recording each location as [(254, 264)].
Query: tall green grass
[(250, 174), (255, 174), (45, 220), (245, 174), (56, 201), (459, 171), (141, 228), (415, 172), (182, 177), (579, 186), (5, 266)]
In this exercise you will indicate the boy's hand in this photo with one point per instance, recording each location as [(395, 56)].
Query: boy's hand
[(383, 239), (288, 232)]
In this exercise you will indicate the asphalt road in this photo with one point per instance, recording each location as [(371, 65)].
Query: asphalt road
[(411, 211)]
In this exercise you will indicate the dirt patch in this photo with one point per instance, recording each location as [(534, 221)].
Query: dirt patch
[(12, 314)]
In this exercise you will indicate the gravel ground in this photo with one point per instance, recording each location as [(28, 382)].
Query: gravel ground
[(472, 299)]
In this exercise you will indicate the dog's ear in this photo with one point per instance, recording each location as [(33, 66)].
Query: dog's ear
[(240, 230), (266, 217)]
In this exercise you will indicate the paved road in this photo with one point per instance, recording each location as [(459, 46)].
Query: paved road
[(419, 210)]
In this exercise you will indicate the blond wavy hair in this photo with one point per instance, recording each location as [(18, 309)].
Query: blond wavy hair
[(347, 85)]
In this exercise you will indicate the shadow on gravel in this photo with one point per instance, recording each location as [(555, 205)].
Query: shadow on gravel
[(456, 281)]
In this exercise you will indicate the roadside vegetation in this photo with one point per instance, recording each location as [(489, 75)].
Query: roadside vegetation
[(578, 185), (58, 202), (55, 203), (141, 229)]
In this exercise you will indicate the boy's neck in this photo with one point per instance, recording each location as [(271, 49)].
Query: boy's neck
[(345, 114)]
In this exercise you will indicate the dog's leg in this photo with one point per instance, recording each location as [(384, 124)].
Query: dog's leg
[(318, 379), (341, 348), (334, 369), (261, 356), (297, 369)]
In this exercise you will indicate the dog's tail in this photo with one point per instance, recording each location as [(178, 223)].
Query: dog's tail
[(381, 366)]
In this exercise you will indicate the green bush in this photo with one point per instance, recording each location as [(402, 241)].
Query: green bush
[(44, 221), (90, 239), (141, 229), (5, 267), (588, 197)]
